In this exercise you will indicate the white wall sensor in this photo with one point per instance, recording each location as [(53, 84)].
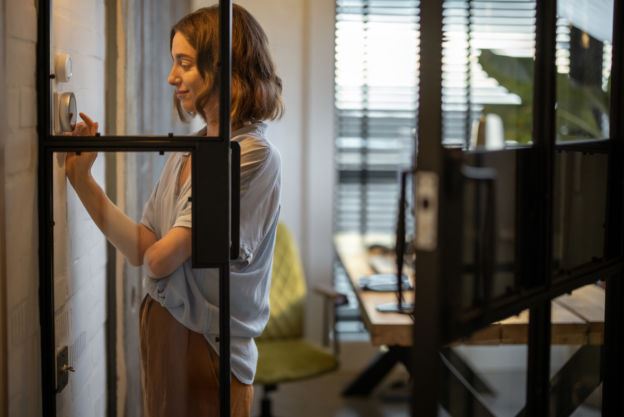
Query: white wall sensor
[(62, 67)]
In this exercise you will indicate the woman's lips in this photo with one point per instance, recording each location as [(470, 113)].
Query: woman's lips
[(181, 93)]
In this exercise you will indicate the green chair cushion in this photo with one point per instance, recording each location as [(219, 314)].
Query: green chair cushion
[(288, 289), (291, 360)]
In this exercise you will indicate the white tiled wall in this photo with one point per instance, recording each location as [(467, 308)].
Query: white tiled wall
[(80, 258)]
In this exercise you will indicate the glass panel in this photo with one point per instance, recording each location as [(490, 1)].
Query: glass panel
[(580, 187), (487, 73), (583, 68), (489, 235), (575, 354), (486, 374), (123, 72), (91, 287)]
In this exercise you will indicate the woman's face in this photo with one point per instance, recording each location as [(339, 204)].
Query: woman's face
[(184, 74)]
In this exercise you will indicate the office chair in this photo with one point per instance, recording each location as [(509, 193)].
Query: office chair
[(283, 354)]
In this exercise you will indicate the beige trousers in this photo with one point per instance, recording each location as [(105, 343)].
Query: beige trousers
[(180, 370)]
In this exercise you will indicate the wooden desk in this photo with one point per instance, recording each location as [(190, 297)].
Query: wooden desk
[(577, 318)]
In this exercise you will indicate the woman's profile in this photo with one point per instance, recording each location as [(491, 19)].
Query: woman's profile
[(179, 317)]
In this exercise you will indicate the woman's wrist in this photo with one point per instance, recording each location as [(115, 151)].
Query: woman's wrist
[(82, 182)]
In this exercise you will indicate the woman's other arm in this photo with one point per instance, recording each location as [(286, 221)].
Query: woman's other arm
[(167, 254)]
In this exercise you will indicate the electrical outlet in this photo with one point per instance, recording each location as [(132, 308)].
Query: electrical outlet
[(62, 369)]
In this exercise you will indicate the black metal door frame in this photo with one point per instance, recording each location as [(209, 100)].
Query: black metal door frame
[(438, 318), (613, 357), (212, 232)]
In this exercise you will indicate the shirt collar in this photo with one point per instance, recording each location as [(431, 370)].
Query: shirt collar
[(257, 128)]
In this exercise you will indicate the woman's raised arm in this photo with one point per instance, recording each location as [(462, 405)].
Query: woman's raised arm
[(130, 238)]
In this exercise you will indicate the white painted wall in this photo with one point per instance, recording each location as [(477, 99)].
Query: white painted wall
[(80, 258), (80, 249), (301, 40)]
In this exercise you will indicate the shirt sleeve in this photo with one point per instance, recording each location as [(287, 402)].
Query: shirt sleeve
[(184, 218), (253, 157), (260, 188), (149, 216)]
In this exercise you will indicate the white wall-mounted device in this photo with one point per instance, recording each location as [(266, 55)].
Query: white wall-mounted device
[(62, 67), (64, 103), (67, 112)]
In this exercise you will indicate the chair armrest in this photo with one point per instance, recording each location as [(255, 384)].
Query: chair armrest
[(331, 294)]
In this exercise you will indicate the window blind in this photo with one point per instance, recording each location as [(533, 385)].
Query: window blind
[(504, 28), (376, 94), (375, 103)]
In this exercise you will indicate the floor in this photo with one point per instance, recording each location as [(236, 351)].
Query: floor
[(320, 397)]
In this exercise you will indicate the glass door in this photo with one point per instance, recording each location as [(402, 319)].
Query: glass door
[(79, 164), (516, 198)]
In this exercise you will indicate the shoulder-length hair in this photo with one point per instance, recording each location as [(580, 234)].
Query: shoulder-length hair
[(256, 88)]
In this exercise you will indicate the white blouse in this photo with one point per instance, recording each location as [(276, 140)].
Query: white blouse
[(192, 295)]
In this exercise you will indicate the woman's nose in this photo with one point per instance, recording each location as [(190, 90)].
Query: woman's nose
[(172, 78)]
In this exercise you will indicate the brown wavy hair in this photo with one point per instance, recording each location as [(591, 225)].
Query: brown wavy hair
[(256, 88)]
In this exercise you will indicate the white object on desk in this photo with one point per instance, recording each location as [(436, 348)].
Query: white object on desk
[(488, 133)]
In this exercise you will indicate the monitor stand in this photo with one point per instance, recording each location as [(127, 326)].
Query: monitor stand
[(399, 306)]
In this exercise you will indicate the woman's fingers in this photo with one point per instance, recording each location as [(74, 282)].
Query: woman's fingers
[(87, 120), (86, 128)]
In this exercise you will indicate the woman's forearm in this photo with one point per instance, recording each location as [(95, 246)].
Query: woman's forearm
[(130, 238)]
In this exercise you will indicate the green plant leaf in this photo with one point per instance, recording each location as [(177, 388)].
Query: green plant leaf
[(580, 108)]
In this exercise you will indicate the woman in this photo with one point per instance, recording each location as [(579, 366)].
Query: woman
[(179, 318)]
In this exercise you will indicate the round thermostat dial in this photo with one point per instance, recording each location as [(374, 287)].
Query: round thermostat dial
[(67, 112)]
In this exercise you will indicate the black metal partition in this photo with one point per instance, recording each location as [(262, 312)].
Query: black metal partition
[(214, 190), (443, 178)]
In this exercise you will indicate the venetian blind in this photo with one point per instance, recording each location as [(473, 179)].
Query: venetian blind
[(375, 102), (484, 40), (376, 96)]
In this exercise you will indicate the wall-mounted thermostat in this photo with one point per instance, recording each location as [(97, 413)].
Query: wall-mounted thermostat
[(62, 67), (67, 112)]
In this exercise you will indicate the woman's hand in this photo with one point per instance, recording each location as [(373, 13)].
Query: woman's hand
[(78, 166)]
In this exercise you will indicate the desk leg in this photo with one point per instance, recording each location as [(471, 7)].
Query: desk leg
[(376, 371), (575, 381)]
